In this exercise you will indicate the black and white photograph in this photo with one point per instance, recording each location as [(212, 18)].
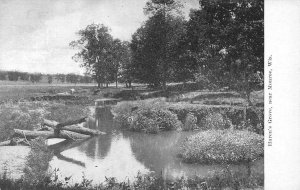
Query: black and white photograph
[(148, 94)]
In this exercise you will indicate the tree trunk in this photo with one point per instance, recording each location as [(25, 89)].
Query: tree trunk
[(73, 128), (49, 134)]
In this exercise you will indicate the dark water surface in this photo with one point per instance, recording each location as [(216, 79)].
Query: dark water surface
[(118, 154)]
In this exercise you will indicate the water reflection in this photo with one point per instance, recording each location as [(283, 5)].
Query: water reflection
[(122, 155)]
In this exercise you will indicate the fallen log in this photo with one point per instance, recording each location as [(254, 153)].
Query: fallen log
[(74, 128), (15, 141), (5, 143), (49, 134)]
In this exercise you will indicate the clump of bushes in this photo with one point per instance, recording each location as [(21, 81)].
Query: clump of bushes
[(190, 122), (216, 121), (147, 116), (222, 146), (153, 120), (19, 116), (37, 162), (60, 111)]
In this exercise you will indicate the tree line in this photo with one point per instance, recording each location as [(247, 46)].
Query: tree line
[(222, 44), (50, 78)]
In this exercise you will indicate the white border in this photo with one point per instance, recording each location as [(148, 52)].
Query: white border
[(282, 39)]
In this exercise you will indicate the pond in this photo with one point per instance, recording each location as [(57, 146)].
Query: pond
[(118, 154)]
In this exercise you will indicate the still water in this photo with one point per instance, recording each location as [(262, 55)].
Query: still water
[(118, 154)]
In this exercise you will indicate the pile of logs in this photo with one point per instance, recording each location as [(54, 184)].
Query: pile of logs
[(69, 130)]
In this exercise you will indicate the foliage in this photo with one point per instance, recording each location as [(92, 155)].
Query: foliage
[(19, 116), (3, 75), (35, 77), (216, 121), (190, 122), (225, 39), (224, 179), (147, 116), (13, 75), (60, 112), (72, 78), (37, 162), (162, 30), (50, 78), (60, 77), (153, 120), (222, 146), (100, 54), (29, 115)]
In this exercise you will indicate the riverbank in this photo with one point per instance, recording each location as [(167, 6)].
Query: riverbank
[(221, 181), (152, 115)]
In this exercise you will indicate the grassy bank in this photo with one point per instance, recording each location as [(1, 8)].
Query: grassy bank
[(142, 114), (222, 180), (222, 146)]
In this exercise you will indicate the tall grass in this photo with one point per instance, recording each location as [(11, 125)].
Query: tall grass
[(222, 146), (224, 179)]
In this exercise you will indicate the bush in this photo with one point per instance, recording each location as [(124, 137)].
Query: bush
[(149, 116), (20, 116), (216, 121), (222, 146), (153, 120), (190, 122), (61, 112)]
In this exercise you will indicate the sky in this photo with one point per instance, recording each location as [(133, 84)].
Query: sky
[(35, 34)]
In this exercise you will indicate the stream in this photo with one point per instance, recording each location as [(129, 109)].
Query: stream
[(119, 154)]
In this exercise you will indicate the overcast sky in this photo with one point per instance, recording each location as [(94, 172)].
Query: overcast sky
[(35, 34)]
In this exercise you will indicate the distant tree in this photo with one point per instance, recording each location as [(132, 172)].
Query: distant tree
[(60, 77), (50, 79), (3, 75), (72, 78), (13, 75), (127, 69), (34, 78), (24, 76)]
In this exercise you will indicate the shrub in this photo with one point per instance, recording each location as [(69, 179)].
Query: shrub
[(61, 112), (150, 116), (190, 122), (154, 120), (19, 116), (216, 121), (37, 162), (222, 146)]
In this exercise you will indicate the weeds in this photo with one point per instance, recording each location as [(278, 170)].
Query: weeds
[(218, 180), (222, 146)]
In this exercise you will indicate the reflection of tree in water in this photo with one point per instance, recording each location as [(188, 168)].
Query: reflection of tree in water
[(155, 151), (159, 154), (97, 147)]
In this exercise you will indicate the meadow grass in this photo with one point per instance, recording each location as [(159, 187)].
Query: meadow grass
[(222, 146)]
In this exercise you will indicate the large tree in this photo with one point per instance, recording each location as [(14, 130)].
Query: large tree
[(154, 43), (226, 41), (95, 46)]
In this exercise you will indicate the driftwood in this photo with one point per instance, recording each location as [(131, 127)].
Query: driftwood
[(49, 134), (73, 127), (68, 130)]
